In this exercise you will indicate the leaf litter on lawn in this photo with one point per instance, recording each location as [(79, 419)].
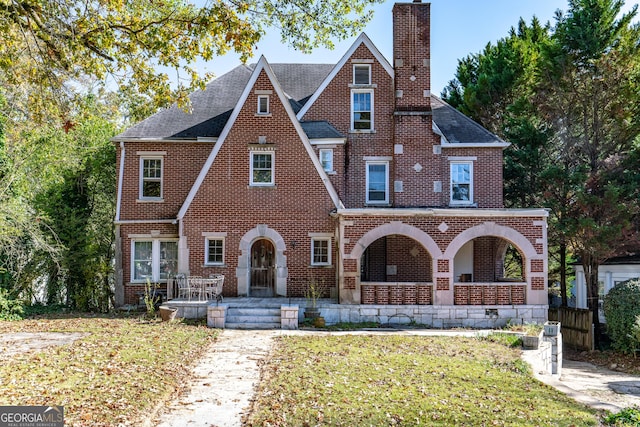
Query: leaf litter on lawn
[(118, 373)]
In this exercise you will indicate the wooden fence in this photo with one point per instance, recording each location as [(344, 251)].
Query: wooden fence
[(576, 326)]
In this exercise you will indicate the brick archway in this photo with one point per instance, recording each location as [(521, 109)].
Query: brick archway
[(535, 266), (395, 227), (261, 231)]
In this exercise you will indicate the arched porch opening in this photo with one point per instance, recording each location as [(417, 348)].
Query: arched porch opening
[(395, 265), (492, 266)]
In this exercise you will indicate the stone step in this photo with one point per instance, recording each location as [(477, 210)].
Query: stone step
[(249, 325), (253, 318), (253, 311)]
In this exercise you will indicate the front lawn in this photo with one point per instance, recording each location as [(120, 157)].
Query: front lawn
[(386, 380), (117, 374)]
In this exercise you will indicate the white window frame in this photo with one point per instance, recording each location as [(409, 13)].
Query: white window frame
[(153, 179), (353, 121), (155, 259), (206, 250), (273, 169), (267, 110), (328, 166), (368, 67), (386, 184), (314, 240), (452, 164)]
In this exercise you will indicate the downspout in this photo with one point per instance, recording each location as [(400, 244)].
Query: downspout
[(120, 178), (118, 272)]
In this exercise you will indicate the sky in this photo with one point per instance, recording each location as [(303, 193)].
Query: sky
[(458, 28)]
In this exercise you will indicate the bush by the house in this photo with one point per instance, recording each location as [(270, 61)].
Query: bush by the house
[(622, 309)]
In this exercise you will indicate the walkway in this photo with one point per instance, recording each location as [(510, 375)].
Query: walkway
[(224, 381)]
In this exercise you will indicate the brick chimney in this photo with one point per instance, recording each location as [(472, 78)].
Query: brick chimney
[(411, 56)]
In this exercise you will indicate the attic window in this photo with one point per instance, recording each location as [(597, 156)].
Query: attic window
[(362, 74), (263, 104)]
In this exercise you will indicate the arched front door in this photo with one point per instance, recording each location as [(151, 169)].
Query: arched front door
[(263, 269)]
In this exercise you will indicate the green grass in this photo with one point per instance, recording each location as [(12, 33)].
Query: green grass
[(117, 374), (385, 380)]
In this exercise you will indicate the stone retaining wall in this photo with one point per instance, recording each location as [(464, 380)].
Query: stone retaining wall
[(435, 316)]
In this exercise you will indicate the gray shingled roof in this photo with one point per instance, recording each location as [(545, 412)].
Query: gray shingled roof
[(212, 108), (458, 128), (320, 129)]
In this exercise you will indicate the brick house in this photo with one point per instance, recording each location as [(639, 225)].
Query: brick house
[(352, 174)]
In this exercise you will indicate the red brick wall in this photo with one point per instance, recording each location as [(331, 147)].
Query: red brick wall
[(412, 45), (182, 164), (334, 105), (297, 205), (487, 175), (412, 261)]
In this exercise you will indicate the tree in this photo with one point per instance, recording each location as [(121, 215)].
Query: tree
[(588, 92), (79, 209), (50, 43), (572, 116)]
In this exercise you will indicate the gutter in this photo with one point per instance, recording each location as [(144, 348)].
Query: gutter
[(120, 178)]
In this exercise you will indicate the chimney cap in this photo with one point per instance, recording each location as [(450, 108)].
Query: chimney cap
[(417, 1)]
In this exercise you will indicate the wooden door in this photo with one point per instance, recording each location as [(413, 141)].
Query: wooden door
[(263, 269)]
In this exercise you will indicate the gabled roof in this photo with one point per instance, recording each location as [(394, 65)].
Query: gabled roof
[(260, 66), (456, 128), (362, 39), (301, 84), (212, 107)]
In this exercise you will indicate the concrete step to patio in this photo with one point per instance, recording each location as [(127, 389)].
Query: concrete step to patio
[(252, 318)]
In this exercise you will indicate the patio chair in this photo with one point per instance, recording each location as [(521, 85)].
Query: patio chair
[(213, 290), (182, 284), (196, 286)]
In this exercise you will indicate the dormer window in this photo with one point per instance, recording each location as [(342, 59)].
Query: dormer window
[(263, 104), (362, 74)]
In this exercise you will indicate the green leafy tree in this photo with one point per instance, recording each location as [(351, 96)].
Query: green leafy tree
[(80, 208), (49, 43), (588, 92)]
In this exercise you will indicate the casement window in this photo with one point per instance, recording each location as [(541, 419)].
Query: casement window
[(214, 251), (153, 259), (377, 182), (321, 251), (262, 168), (361, 109), (461, 183), (151, 172), (263, 104), (326, 159), (362, 74)]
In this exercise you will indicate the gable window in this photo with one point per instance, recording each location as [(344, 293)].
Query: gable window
[(362, 74), (326, 159), (320, 251), (153, 259), (361, 109), (263, 104), (214, 251), (262, 170), (377, 182), (461, 183), (151, 177)]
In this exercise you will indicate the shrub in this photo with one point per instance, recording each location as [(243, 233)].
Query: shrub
[(10, 309), (621, 309), (626, 417)]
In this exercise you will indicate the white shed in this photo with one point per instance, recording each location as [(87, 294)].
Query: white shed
[(611, 272)]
